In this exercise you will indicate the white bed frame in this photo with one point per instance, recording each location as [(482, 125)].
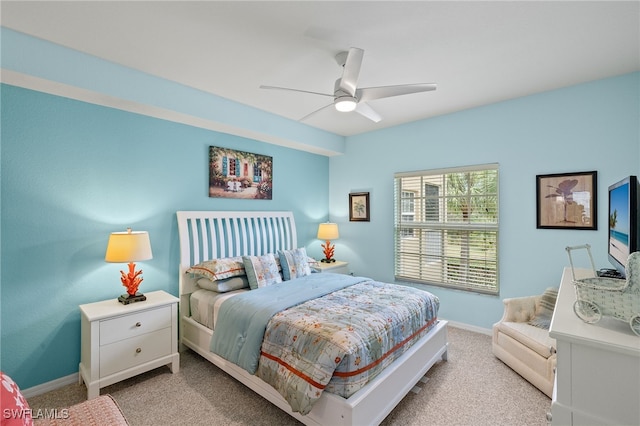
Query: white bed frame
[(206, 235)]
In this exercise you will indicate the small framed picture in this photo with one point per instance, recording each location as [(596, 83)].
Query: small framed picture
[(359, 207), (567, 201)]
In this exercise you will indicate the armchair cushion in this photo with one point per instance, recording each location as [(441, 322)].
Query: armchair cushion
[(544, 309), (535, 338)]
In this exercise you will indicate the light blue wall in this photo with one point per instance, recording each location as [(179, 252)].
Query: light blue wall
[(72, 173), (41, 59), (587, 127)]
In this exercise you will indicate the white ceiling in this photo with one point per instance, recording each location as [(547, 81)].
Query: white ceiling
[(477, 52)]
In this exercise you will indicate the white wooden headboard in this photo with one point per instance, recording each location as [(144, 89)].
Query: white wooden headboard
[(206, 235)]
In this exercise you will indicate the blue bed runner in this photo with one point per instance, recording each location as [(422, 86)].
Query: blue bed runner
[(243, 319)]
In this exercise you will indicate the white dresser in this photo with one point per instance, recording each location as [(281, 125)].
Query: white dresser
[(598, 369), (120, 341)]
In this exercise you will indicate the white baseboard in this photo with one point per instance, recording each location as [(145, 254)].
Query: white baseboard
[(49, 386), (469, 327)]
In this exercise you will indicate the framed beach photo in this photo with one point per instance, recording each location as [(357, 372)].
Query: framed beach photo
[(359, 207), (567, 201)]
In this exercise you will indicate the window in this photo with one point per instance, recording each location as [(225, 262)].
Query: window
[(446, 227), (408, 211), (257, 171), (233, 170), (230, 166)]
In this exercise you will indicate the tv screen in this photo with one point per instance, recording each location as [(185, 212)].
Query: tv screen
[(624, 232)]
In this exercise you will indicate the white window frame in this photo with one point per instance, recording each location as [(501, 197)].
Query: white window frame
[(428, 248), (408, 210)]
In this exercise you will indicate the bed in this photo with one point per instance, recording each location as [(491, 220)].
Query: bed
[(210, 235)]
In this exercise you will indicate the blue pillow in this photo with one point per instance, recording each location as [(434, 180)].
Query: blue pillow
[(261, 270), (294, 263)]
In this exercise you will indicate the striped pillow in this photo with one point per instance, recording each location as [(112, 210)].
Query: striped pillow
[(544, 310), (219, 269)]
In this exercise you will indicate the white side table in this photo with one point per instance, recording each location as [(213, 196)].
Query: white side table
[(121, 341), (337, 267)]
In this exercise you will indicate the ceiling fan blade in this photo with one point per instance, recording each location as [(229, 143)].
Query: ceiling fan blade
[(315, 112), (295, 90), (351, 71), (366, 111), (371, 93)]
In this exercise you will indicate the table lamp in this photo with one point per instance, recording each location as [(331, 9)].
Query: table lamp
[(328, 231), (129, 247)]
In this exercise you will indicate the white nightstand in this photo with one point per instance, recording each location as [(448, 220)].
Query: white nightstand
[(120, 341), (337, 267)]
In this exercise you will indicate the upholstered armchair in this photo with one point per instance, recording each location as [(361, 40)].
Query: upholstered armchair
[(521, 339)]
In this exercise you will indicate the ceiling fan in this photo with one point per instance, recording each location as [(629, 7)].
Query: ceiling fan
[(348, 97)]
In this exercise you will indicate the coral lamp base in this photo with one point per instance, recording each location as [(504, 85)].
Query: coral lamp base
[(328, 250), (126, 298)]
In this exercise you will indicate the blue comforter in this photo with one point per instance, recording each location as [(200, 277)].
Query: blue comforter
[(242, 319)]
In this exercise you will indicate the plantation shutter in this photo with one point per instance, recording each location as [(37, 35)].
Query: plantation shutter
[(446, 227)]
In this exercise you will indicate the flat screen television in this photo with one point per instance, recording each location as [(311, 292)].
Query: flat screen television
[(624, 232)]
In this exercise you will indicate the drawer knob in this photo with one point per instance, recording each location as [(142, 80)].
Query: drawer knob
[(138, 350), (138, 324)]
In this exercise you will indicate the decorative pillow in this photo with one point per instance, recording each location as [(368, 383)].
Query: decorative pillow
[(294, 263), (15, 408), (544, 310), (223, 286), (261, 270), (219, 269)]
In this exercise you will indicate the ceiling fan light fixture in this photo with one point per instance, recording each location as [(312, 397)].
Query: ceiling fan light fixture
[(345, 103)]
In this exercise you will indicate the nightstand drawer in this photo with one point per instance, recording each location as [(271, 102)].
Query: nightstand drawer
[(135, 324), (337, 267), (128, 353)]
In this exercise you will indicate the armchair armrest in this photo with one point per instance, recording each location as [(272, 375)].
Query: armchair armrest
[(520, 309)]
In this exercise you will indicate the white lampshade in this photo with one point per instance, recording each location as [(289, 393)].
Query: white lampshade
[(328, 231), (129, 246)]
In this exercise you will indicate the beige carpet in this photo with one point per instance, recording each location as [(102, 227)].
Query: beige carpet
[(471, 388)]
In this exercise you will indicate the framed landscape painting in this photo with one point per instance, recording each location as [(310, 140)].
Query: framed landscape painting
[(567, 201), (239, 174)]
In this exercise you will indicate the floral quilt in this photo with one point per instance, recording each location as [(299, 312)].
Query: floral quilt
[(341, 341)]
